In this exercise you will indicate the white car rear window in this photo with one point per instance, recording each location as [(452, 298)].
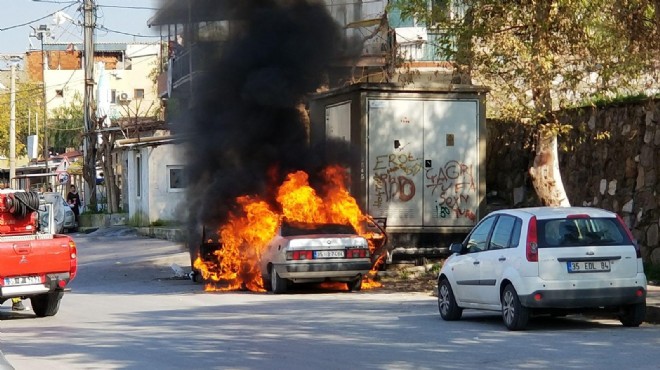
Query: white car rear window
[(581, 232)]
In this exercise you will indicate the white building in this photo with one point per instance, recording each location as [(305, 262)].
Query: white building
[(147, 170)]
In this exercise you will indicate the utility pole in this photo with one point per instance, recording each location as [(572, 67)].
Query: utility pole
[(44, 60), (12, 127), (40, 33), (89, 142)]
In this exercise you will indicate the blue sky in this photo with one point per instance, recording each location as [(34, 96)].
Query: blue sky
[(125, 17)]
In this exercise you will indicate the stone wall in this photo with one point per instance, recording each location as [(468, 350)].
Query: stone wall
[(610, 160)]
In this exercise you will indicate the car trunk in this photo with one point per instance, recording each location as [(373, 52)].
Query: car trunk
[(31, 256), (588, 263)]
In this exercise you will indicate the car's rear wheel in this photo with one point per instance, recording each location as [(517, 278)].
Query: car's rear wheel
[(633, 315), (46, 304), (447, 305), (355, 285), (196, 276), (277, 284), (514, 314)]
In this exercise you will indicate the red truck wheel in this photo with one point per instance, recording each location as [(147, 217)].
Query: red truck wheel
[(46, 304)]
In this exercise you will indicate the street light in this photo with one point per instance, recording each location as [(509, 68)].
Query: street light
[(39, 34)]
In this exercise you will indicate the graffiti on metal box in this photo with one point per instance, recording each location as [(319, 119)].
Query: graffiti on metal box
[(393, 177), (453, 184)]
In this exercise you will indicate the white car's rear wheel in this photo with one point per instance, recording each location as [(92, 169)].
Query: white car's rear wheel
[(447, 305), (633, 315), (277, 284), (514, 314)]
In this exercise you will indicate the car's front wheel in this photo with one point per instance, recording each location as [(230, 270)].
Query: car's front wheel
[(277, 284), (514, 314), (449, 309), (633, 315)]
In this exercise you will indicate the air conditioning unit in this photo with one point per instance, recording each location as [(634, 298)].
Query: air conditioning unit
[(123, 96)]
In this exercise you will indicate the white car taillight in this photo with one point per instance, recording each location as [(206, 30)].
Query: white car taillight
[(532, 241)]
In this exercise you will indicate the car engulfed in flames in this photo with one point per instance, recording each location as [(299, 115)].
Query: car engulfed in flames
[(308, 238), (313, 253)]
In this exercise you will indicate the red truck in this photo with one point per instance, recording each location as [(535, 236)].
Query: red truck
[(35, 262)]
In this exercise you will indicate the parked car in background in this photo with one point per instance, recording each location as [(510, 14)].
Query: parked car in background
[(545, 260), (65, 219), (309, 253)]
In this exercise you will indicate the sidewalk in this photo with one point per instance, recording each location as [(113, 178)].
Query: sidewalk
[(653, 304)]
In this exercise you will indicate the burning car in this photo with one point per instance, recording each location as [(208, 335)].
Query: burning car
[(310, 252), (205, 250), (307, 237)]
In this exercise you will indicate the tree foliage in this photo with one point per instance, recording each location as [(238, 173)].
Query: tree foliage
[(26, 112), (66, 125), (541, 55), (538, 56)]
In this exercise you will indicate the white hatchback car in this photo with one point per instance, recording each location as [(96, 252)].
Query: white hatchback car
[(545, 260)]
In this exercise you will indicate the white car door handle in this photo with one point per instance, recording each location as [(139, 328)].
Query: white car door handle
[(475, 262), (502, 259)]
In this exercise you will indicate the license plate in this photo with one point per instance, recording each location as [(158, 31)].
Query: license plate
[(588, 266), (328, 254), (22, 280)]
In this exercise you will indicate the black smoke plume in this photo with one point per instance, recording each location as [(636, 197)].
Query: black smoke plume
[(245, 129)]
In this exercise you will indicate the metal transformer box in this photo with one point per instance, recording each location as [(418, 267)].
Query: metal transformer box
[(419, 156)]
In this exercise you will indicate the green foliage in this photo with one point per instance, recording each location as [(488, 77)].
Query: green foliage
[(405, 275), (26, 112), (435, 269), (66, 124), (540, 56), (601, 100)]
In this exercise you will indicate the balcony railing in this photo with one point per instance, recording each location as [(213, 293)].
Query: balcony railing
[(183, 64)]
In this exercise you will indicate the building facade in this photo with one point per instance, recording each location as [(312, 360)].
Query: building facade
[(125, 79)]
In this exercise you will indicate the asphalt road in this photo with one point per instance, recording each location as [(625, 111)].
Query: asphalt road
[(126, 311)]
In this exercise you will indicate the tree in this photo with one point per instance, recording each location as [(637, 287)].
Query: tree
[(542, 55), (66, 124), (133, 113), (27, 111)]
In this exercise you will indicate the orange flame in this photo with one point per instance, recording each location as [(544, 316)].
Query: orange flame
[(246, 234)]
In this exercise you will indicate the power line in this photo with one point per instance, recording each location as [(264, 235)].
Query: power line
[(38, 19), (127, 7), (103, 28), (55, 2)]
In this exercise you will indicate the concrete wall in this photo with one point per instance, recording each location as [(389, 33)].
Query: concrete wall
[(156, 199), (610, 160)]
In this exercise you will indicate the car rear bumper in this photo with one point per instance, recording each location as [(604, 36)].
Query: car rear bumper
[(23, 290), (322, 270), (584, 298)]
